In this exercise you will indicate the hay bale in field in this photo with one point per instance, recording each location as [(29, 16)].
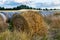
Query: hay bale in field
[(8, 15), (30, 21), (4, 18), (3, 24)]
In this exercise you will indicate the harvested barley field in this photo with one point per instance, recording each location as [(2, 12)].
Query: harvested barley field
[(29, 25)]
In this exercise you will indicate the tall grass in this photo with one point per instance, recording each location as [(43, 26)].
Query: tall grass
[(8, 35)]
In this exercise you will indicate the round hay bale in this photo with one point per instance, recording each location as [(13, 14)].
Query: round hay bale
[(3, 24), (8, 15), (30, 21), (4, 18)]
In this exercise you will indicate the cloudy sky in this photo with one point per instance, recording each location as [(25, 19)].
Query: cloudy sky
[(32, 3)]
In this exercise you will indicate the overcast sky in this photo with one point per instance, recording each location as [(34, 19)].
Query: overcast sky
[(32, 3)]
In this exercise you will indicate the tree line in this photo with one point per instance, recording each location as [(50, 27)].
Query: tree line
[(23, 7)]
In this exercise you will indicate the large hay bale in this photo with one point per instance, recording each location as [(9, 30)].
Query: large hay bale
[(3, 24), (30, 21)]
